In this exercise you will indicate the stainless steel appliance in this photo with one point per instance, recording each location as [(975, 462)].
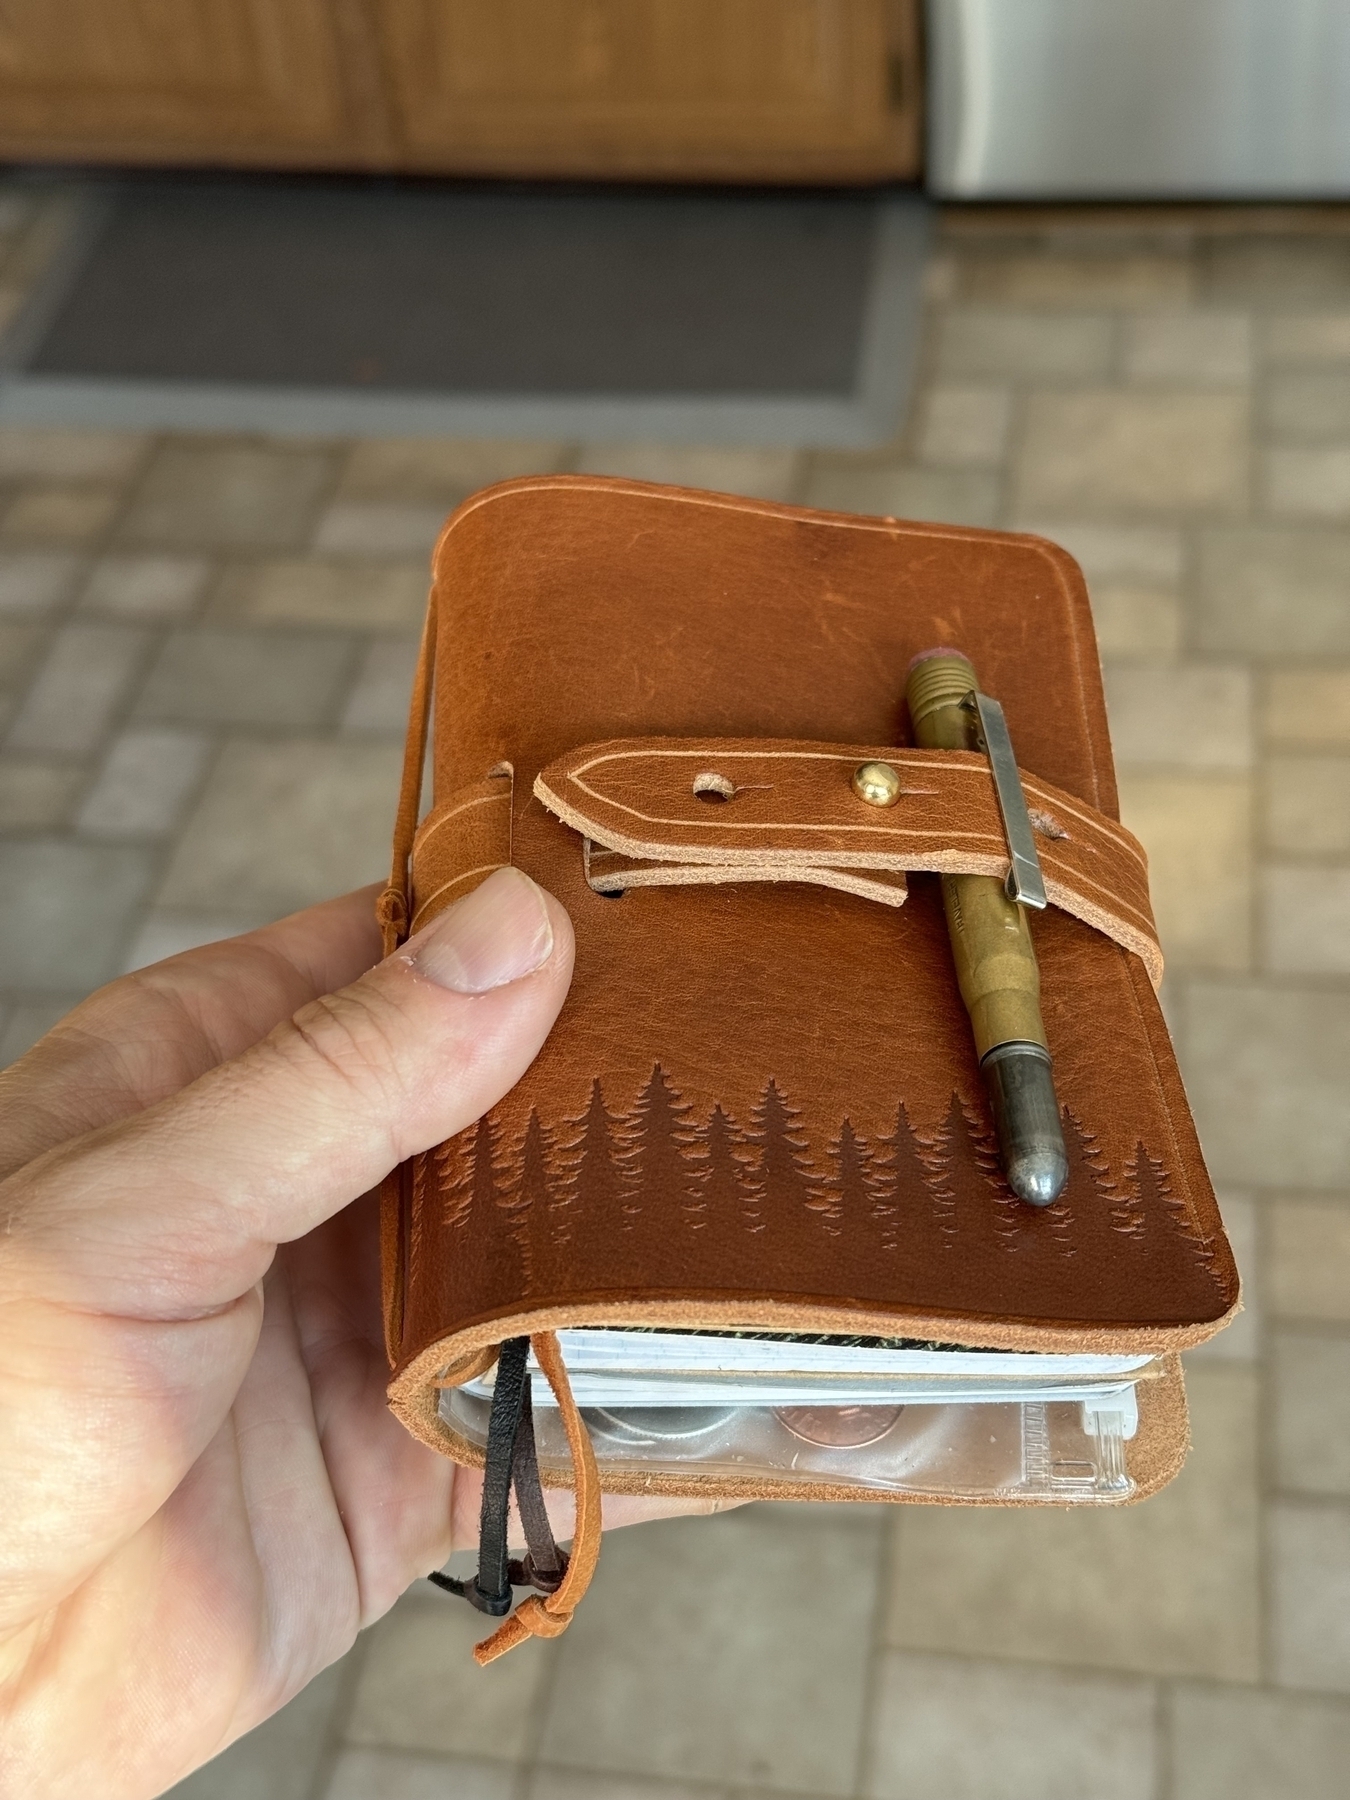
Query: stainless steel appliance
[(1139, 98)]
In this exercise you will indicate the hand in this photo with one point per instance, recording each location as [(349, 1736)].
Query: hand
[(204, 1495)]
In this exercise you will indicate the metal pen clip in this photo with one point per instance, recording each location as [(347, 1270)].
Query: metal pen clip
[(1025, 883)]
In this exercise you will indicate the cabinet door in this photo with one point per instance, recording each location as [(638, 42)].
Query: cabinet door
[(741, 89), (159, 80)]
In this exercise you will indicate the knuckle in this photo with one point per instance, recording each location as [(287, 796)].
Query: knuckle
[(354, 1040)]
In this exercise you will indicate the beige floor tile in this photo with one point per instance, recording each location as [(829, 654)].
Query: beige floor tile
[(1243, 1340), (1309, 1269), (145, 587), (1311, 1377), (965, 426), (35, 582), (1047, 279), (1308, 338), (84, 678), (1137, 622), (1309, 1552), (1197, 832), (979, 342), (307, 591), (1306, 805), (60, 515), (947, 1728), (380, 696), (1305, 920), (199, 495), (381, 528), (1307, 707), (67, 911), (163, 934), (420, 1688), (1283, 270), (1273, 593), (1308, 484), (34, 453), (1238, 1744), (282, 825), (146, 780), (956, 496), (396, 1775), (763, 474), (442, 469), (19, 647), (1309, 409), (763, 1687), (1168, 1587), (1148, 556), (1267, 1070), (217, 676), (1188, 349), (1111, 451), (281, 1759), (1194, 716), (575, 1784), (36, 795)]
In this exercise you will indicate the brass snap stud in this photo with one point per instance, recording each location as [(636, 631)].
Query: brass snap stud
[(877, 783)]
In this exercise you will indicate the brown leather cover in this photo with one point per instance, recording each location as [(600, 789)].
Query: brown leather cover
[(761, 1104)]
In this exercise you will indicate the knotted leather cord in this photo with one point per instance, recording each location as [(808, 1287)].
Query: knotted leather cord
[(561, 1578), (549, 1615), (511, 1461)]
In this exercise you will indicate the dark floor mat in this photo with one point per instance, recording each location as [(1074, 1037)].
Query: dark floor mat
[(477, 292)]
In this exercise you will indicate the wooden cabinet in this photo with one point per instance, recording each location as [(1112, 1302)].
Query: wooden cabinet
[(767, 90), (758, 89), (174, 81)]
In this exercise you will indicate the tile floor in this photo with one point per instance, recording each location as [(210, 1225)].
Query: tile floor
[(205, 647)]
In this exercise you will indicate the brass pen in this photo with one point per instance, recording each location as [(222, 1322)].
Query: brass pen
[(995, 959)]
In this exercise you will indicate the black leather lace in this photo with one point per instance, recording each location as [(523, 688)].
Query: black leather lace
[(512, 1463)]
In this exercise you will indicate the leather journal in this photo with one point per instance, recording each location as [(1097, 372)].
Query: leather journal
[(760, 1114)]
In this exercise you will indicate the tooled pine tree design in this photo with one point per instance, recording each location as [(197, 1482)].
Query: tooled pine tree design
[(906, 1211), (716, 1194), (597, 1187), (659, 1168), (475, 1191), (983, 1209), (658, 1154), (782, 1179), (845, 1200), (1183, 1282), (527, 1205)]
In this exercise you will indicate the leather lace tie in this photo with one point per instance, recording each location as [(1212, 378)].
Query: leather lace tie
[(512, 1463)]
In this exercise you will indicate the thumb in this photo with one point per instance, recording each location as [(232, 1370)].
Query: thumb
[(177, 1211)]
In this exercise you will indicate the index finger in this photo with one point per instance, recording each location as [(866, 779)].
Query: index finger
[(150, 1033)]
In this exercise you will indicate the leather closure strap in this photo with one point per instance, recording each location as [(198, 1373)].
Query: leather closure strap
[(674, 811)]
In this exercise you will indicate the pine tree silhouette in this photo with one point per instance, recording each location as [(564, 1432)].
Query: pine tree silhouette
[(657, 1158), (716, 1194), (782, 1178), (598, 1181), (454, 1177), (906, 1208), (477, 1185), (1165, 1220), (983, 1208), (845, 1201), (526, 1206)]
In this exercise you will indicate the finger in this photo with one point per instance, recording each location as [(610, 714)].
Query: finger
[(150, 1033), (130, 1260), (177, 1210)]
